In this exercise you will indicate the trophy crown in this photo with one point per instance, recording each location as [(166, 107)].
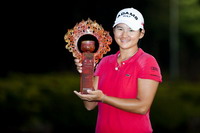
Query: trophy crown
[(88, 27)]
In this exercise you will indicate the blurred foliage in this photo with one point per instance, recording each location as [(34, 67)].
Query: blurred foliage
[(42, 103), (189, 31), (46, 103), (190, 18), (176, 107)]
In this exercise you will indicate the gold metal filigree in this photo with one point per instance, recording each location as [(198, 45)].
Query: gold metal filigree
[(88, 27)]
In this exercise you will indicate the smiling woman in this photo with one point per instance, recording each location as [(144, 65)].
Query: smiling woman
[(125, 83)]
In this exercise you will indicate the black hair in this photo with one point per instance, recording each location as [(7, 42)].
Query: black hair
[(139, 41)]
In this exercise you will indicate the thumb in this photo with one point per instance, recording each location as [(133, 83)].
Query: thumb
[(89, 91)]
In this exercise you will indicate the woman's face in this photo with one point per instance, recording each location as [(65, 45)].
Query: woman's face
[(126, 37)]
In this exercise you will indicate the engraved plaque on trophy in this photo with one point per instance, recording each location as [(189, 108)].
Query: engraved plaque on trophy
[(86, 55)]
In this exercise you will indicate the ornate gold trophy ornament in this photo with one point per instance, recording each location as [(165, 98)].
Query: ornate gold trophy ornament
[(87, 57)]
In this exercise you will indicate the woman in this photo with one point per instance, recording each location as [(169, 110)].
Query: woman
[(126, 82)]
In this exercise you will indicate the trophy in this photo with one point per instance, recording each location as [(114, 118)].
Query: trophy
[(86, 52)]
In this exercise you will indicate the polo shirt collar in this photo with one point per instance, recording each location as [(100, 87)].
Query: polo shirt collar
[(133, 58)]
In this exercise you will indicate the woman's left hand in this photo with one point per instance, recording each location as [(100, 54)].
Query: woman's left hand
[(92, 96)]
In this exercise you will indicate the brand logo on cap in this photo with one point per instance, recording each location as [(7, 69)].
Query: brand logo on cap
[(127, 14)]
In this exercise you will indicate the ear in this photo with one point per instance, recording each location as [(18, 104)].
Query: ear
[(142, 34)]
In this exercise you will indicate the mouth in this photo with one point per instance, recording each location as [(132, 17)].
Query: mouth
[(124, 40)]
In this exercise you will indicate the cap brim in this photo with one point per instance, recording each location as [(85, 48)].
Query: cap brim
[(132, 24)]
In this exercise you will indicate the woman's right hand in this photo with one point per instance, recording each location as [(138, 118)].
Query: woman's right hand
[(78, 65)]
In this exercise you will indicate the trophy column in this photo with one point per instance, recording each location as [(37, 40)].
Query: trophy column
[(87, 47)]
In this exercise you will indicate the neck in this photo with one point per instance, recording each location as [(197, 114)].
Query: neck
[(126, 54)]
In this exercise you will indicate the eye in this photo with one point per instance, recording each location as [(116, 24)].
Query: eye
[(118, 28)]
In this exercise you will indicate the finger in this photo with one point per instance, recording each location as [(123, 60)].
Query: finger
[(79, 70), (77, 60), (78, 64), (80, 95), (96, 95), (77, 93), (91, 92)]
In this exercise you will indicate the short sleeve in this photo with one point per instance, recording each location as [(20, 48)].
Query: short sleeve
[(149, 69)]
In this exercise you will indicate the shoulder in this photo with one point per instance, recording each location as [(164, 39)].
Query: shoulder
[(109, 58), (149, 68), (104, 63), (146, 58)]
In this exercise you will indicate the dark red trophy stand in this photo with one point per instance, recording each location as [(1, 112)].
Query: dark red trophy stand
[(88, 48)]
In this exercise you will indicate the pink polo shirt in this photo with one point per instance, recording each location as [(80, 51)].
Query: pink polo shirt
[(121, 81)]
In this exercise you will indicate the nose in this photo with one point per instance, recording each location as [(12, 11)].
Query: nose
[(124, 33)]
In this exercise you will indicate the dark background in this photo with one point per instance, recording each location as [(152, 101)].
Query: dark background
[(33, 33)]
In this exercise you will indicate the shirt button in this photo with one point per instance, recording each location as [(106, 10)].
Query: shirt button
[(123, 63)]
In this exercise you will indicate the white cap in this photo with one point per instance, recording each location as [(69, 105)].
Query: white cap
[(131, 17)]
